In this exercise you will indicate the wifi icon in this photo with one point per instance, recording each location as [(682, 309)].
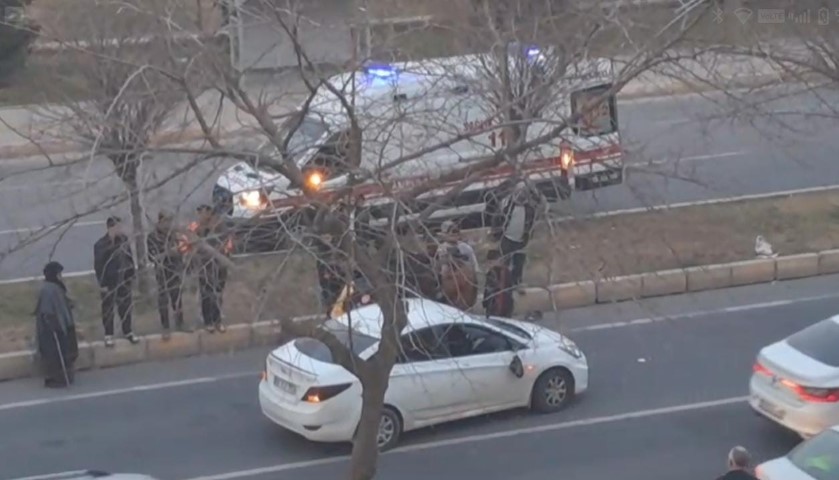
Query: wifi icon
[(743, 14)]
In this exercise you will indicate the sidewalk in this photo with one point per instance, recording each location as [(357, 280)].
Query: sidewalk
[(22, 128)]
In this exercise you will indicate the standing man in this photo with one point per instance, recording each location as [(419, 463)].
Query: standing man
[(114, 267), (212, 273), (513, 228), (169, 266), (739, 465), (498, 296)]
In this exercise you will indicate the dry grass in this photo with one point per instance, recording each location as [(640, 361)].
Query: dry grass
[(271, 286)]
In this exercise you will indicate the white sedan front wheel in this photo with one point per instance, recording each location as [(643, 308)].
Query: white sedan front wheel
[(552, 391)]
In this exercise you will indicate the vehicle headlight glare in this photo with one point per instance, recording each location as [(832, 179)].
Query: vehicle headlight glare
[(252, 199)]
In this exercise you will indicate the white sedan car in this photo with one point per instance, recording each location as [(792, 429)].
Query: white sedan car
[(452, 365), (815, 459), (796, 381)]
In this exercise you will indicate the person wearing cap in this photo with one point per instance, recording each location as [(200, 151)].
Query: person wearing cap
[(165, 256), (513, 228), (212, 273), (452, 243), (739, 465), (55, 329), (114, 268)]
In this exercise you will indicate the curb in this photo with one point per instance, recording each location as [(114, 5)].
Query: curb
[(94, 355)]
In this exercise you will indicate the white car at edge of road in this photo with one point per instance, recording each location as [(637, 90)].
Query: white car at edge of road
[(814, 459), (452, 365), (795, 382)]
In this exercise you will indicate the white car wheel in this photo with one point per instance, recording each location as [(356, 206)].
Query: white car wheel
[(390, 428), (552, 391)]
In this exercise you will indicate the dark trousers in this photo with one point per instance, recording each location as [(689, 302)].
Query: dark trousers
[(517, 258), (119, 297), (211, 289), (169, 294), (59, 351)]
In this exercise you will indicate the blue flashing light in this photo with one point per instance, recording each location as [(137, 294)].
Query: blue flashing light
[(533, 52), (380, 71)]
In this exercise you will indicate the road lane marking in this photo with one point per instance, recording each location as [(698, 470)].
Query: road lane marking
[(693, 158), (123, 391), (483, 437), (56, 227), (702, 313), (55, 476)]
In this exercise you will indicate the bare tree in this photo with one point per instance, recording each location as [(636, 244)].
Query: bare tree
[(126, 75), (516, 85)]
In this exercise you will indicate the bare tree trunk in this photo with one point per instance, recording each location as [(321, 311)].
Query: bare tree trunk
[(365, 451), (136, 207)]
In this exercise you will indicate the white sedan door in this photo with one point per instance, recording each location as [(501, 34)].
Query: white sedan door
[(483, 364), (425, 383)]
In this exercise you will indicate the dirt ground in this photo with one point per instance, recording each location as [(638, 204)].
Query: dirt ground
[(271, 286)]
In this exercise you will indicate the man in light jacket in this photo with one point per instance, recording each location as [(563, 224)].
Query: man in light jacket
[(513, 228)]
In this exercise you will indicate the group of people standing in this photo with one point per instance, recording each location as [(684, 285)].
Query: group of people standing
[(203, 248), (452, 260)]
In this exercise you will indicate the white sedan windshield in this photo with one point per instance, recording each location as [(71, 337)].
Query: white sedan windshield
[(819, 456)]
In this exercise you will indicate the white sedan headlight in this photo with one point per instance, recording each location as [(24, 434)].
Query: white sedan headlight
[(568, 346), (252, 200)]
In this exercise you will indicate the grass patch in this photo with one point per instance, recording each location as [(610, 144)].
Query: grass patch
[(270, 286)]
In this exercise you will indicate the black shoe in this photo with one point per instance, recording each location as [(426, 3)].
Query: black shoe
[(54, 384), (132, 338)]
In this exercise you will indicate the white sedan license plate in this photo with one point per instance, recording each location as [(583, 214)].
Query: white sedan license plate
[(285, 385), (772, 409)]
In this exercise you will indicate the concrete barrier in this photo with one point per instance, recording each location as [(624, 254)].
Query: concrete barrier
[(708, 277), (797, 266), (178, 345), (16, 365), (618, 289), (561, 296), (570, 295), (237, 337), (122, 353), (747, 272), (532, 299), (665, 282), (828, 262)]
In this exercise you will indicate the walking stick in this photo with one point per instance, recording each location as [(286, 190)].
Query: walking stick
[(61, 357)]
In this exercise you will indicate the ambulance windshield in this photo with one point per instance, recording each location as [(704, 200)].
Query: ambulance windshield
[(306, 135)]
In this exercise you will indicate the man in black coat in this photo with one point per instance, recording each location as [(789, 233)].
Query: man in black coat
[(165, 255), (739, 465), (114, 267)]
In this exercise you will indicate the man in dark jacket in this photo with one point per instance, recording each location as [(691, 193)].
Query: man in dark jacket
[(739, 464), (513, 228), (331, 278), (498, 293), (164, 253), (114, 267), (212, 272)]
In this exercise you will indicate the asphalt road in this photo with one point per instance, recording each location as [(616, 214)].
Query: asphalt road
[(682, 149), (666, 401)]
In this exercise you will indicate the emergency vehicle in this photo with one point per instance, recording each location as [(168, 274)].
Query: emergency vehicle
[(422, 120)]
